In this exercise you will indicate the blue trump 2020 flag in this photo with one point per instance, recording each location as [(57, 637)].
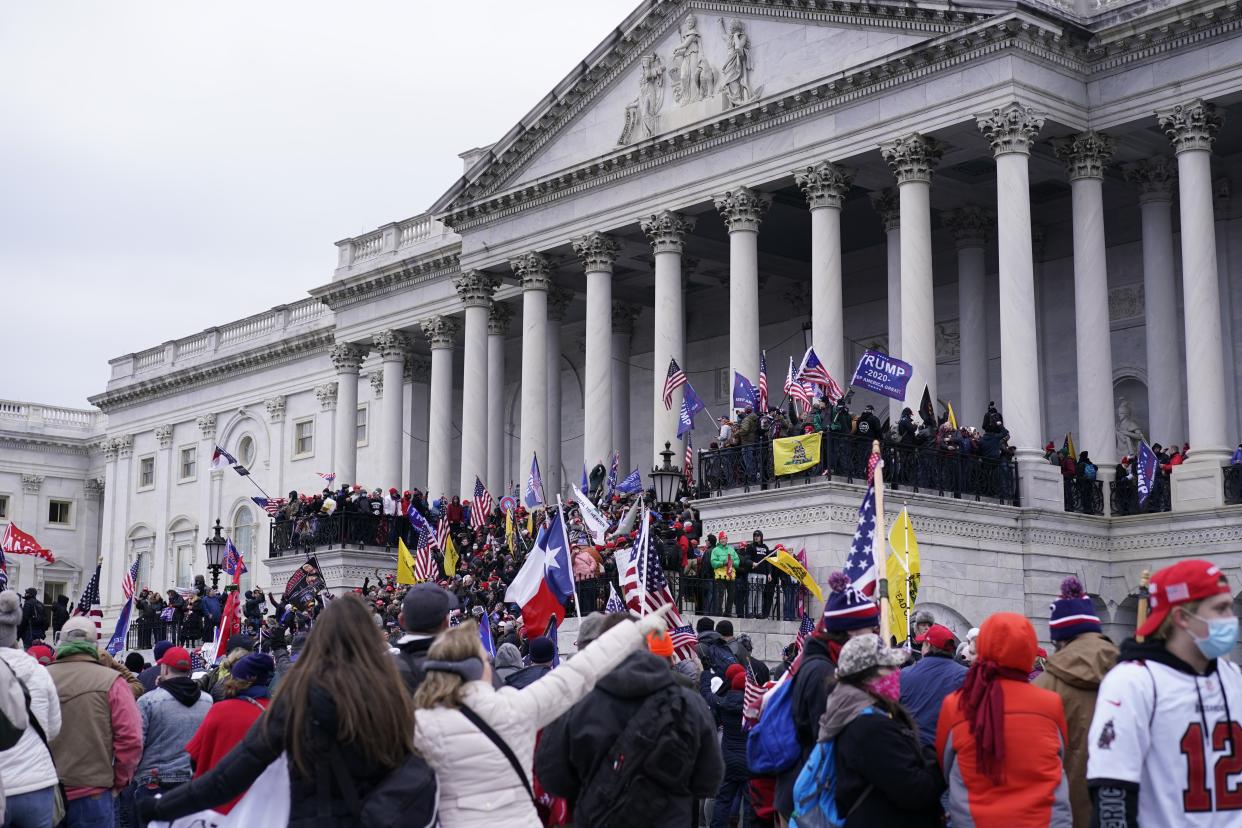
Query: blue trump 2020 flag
[(882, 374), (691, 404), (1145, 480), (744, 394), (534, 485), (632, 484)]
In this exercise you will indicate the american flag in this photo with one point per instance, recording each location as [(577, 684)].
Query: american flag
[(88, 604), (860, 563), (688, 469), (233, 563), (328, 477), (424, 566), (131, 576), (271, 505), (812, 370), (197, 662), (804, 629), (481, 506), (442, 533), (796, 390), (644, 570), (675, 379), (614, 601), (873, 461), (763, 380), (752, 699)]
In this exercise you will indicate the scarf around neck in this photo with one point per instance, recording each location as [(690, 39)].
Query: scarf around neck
[(982, 700)]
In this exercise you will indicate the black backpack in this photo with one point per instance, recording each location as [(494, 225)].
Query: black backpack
[(38, 616), (653, 756), (408, 797)]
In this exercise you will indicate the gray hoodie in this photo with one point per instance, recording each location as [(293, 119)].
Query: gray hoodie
[(508, 661), (171, 714)]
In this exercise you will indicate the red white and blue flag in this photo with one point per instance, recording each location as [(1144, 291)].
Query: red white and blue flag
[(763, 381), (481, 505), (233, 563), (271, 505), (674, 380), (860, 565), (688, 466), (813, 371), (797, 390), (88, 604), (546, 579), (117, 642), (328, 477), (645, 589), (17, 542)]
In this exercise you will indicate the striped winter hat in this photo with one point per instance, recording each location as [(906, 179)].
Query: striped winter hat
[(1073, 613), (847, 608)]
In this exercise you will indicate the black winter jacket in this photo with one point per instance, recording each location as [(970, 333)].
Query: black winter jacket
[(905, 780), (811, 685), (572, 747), (528, 675), (732, 739), (410, 661)]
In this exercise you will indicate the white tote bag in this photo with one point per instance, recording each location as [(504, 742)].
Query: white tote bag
[(265, 805)]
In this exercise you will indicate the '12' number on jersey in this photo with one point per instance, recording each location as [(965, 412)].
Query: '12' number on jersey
[(1197, 798)]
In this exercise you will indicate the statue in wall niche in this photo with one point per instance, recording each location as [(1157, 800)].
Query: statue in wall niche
[(642, 117), (1129, 434), (693, 77), (735, 74)]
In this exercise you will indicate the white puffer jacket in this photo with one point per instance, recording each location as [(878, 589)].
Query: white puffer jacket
[(27, 766), (478, 786)]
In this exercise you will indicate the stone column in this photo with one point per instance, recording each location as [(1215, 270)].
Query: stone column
[(623, 316), (825, 185), (392, 347), (113, 501), (497, 331), (475, 289), (597, 253), (1011, 130), (970, 226), (1192, 128), (667, 232), (110, 574), (550, 465), (534, 273), (742, 210), (441, 331), (1085, 156), (417, 376), (887, 205), (347, 359), (912, 159)]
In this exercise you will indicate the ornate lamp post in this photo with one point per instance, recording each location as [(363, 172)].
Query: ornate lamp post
[(215, 554), (665, 479)]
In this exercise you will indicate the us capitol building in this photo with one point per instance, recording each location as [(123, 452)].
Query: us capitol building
[(1029, 202)]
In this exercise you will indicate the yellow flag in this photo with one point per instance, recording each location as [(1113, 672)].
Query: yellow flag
[(904, 575), (785, 562), (795, 454), (510, 537), (530, 523), (952, 416), (450, 556), (405, 564)]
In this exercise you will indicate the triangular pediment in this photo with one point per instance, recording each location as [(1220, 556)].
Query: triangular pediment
[(674, 65)]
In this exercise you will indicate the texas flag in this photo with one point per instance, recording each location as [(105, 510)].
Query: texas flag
[(546, 580)]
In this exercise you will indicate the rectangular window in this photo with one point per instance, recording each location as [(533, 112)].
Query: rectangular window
[(189, 464), (304, 438), (146, 473), (360, 426), (724, 386), (4, 507), (60, 512)]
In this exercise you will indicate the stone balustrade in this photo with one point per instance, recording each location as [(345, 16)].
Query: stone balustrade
[(33, 414), (371, 248)]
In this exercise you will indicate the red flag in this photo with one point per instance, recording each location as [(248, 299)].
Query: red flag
[(17, 542), (230, 618)]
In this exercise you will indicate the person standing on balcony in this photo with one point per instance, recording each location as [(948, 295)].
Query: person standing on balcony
[(724, 562)]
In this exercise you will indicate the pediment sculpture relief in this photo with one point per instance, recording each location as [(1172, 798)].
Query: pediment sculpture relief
[(692, 75), (642, 117)]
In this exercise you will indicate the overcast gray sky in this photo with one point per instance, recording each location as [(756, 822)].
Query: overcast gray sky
[(166, 167)]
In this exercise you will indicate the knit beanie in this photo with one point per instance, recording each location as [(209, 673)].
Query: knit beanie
[(846, 608), (1073, 613), (10, 617)]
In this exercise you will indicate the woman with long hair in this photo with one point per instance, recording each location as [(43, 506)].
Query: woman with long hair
[(342, 717), (480, 740)]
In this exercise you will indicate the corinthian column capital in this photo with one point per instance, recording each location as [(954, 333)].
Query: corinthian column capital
[(347, 357), (1190, 126), (912, 157), (824, 184), (441, 331), (1156, 178), (1085, 154), (971, 225), (888, 205), (558, 303), (534, 271), (391, 344), (667, 231), (1011, 128), (743, 208), (498, 319), (476, 288), (596, 251)]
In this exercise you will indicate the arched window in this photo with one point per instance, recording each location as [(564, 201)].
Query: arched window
[(245, 451), (141, 541), (182, 549), (244, 530)]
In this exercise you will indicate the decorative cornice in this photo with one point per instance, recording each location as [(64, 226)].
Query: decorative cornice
[(623, 316), (667, 231), (558, 303), (742, 208), (371, 286), (124, 446), (498, 319), (534, 271), (326, 394), (271, 355), (1011, 128), (347, 357), (417, 369), (1156, 178), (1085, 154), (476, 287), (32, 483), (164, 434), (888, 205), (109, 448), (912, 157), (207, 426), (596, 251), (824, 184), (1190, 126), (275, 407), (441, 331), (44, 444), (971, 225), (377, 385)]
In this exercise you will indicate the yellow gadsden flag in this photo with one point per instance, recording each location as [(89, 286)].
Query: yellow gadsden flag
[(405, 564), (450, 556), (782, 560), (904, 575), (794, 454)]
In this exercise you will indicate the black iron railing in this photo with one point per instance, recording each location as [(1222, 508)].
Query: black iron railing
[(1233, 485), (917, 469), (1123, 497), (753, 596), (304, 534), (1084, 496)]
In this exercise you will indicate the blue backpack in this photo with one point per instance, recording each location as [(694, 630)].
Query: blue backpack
[(1089, 471), (815, 791), (772, 745)]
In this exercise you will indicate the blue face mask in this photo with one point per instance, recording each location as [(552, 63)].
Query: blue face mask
[(1222, 637)]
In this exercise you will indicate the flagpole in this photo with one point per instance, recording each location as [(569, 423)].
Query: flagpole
[(881, 541), (560, 511)]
